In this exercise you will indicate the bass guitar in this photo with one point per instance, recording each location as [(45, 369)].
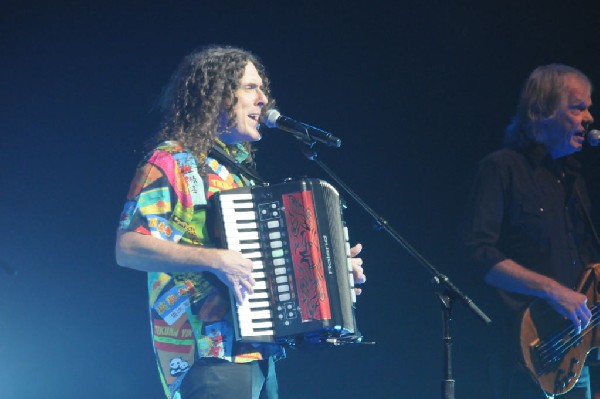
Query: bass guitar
[(551, 348)]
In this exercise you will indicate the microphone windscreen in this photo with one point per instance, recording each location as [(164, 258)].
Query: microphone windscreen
[(593, 137), (270, 119)]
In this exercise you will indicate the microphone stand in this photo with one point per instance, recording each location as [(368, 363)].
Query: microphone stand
[(450, 292)]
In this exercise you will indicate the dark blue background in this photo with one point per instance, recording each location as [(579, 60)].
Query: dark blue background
[(418, 92)]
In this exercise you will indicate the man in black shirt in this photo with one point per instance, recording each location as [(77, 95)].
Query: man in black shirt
[(527, 225)]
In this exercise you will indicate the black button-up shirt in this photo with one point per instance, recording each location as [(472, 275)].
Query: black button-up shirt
[(527, 207)]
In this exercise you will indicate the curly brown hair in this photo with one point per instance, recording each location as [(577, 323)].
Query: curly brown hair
[(200, 91)]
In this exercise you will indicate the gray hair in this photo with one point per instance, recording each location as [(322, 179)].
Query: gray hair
[(541, 98)]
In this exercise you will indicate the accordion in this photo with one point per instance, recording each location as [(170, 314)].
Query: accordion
[(295, 235)]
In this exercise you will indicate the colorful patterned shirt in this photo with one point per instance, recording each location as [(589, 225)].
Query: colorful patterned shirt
[(190, 312)]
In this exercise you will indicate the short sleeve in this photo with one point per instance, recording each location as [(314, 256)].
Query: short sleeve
[(159, 202)]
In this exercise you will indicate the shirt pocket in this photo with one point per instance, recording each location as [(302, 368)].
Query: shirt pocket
[(534, 222)]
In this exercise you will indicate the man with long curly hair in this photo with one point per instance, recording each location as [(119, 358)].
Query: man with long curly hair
[(212, 109)]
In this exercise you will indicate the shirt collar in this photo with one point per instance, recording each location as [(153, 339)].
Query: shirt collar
[(237, 151), (537, 154)]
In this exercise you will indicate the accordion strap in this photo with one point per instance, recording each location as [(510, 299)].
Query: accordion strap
[(240, 169)]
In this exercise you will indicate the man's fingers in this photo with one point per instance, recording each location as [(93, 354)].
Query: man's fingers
[(247, 284), (355, 250), (238, 294)]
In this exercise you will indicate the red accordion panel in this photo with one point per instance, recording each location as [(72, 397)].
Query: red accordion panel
[(305, 248)]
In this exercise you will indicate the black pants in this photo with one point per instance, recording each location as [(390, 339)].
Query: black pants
[(219, 379)]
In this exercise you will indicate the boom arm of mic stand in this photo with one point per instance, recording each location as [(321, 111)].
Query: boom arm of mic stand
[(382, 224)]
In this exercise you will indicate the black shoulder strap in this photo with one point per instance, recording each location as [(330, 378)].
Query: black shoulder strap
[(219, 154)]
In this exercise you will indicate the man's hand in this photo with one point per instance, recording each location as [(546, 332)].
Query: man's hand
[(357, 270), (572, 305), (235, 272)]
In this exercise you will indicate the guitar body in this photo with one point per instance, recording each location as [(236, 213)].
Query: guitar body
[(552, 350)]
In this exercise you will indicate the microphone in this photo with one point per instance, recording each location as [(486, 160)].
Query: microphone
[(304, 132), (593, 137)]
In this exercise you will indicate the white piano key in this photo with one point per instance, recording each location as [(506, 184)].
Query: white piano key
[(258, 275), (258, 304), (229, 212), (244, 306), (241, 247), (234, 241), (252, 255), (257, 315), (261, 324), (260, 285), (242, 235), (232, 215), (239, 225), (232, 224), (250, 333), (258, 265), (236, 197), (237, 205), (258, 295), (245, 317)]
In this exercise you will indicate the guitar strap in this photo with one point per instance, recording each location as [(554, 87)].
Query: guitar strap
[(589, 280)]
